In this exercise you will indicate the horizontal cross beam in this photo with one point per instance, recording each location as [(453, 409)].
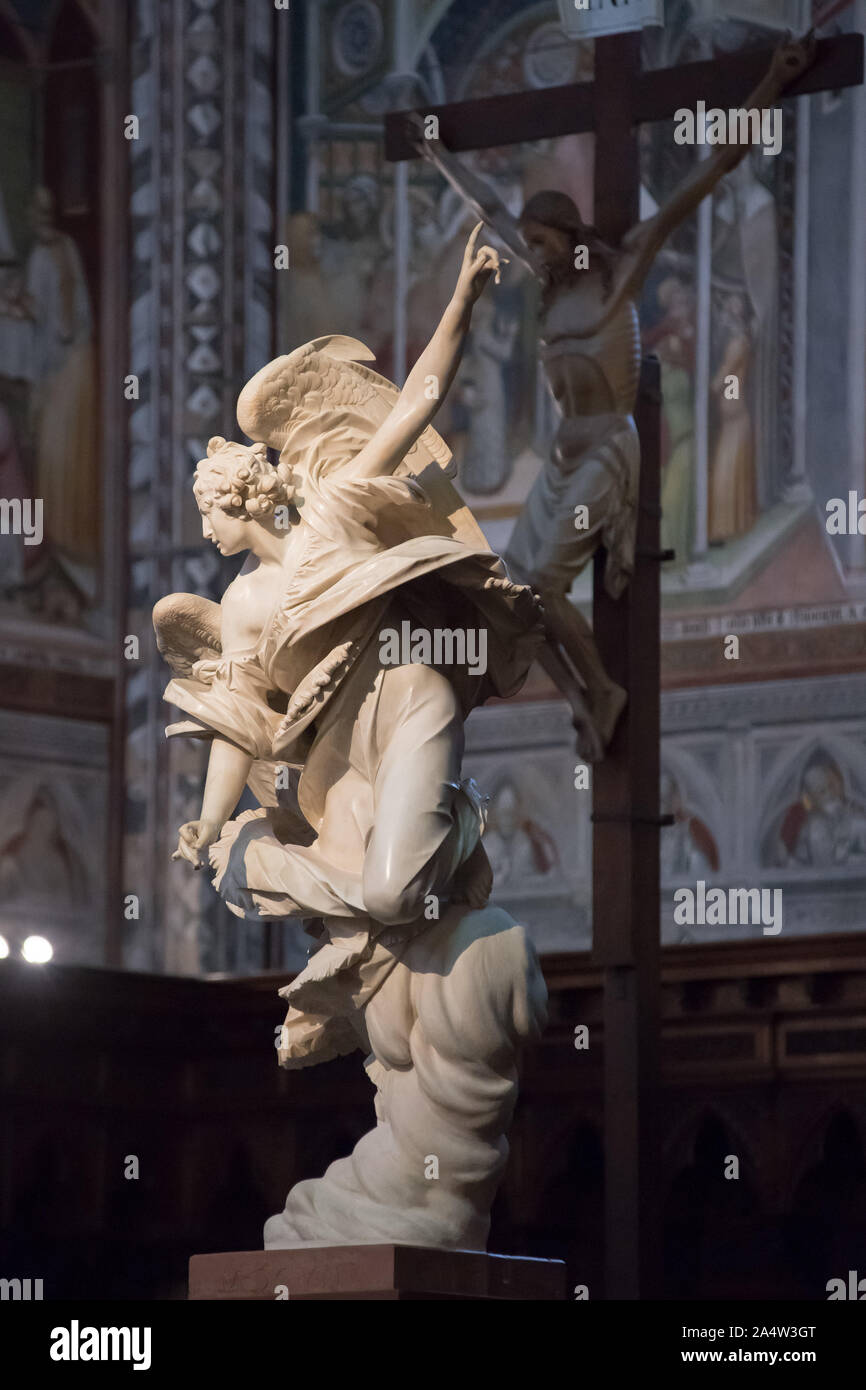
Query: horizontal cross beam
[(654, 96)]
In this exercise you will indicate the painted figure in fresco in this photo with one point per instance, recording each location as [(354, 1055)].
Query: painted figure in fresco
[(591, 349), (365, 827), (826, 827), (351, 253), (38, 866), (687, 849), (48, 417), (308, 308), (64, 388), (673, 339), (517, 847), (733, 494), (746, 262)]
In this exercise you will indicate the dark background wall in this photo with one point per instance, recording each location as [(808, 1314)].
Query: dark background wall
[(764, 1059)]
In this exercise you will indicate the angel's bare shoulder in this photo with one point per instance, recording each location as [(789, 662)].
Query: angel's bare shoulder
[(247, 606)]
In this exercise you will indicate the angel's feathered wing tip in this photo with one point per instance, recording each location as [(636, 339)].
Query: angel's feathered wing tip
[(256, 399), (342, 348)]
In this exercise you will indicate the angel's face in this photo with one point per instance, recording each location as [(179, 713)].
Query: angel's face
[(230, 534)]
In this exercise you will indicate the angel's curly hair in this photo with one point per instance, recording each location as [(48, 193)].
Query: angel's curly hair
[(241, 481)]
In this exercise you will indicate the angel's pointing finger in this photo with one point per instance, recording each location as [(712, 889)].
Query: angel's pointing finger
[(473, 241)]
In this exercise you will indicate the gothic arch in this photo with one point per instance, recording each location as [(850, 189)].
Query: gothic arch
[(83, 11), (846, 751), (680, 1143), (825, 1225), (33, 46), (713, 1221), (17, 45), (810, 1151), (784, 782), (692, 777)]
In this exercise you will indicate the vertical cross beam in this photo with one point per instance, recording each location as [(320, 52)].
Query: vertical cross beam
[(617, 163), (626, 783)]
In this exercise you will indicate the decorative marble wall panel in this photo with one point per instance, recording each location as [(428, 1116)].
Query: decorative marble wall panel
[(202, 244)]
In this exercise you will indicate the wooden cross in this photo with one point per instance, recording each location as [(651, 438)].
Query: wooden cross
[(626, 785)]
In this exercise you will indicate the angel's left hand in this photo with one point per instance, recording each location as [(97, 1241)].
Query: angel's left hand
[(479, 263), (194, 840)]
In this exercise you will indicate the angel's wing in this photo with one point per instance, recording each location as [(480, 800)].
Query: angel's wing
[(187, 630), (324, 383), (321, 402)]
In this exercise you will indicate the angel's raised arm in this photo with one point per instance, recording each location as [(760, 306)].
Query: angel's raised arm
[(428, 382)]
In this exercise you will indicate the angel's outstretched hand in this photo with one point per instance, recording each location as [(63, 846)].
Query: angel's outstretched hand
[(194, 840), (479, 263)]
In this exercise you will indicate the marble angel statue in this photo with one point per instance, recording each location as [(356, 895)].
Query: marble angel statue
[(365, 829)]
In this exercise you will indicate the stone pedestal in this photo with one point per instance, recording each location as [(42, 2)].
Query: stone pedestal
[(385, 1272)]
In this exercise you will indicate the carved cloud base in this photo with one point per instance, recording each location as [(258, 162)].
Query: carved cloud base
[(444, 1031)]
